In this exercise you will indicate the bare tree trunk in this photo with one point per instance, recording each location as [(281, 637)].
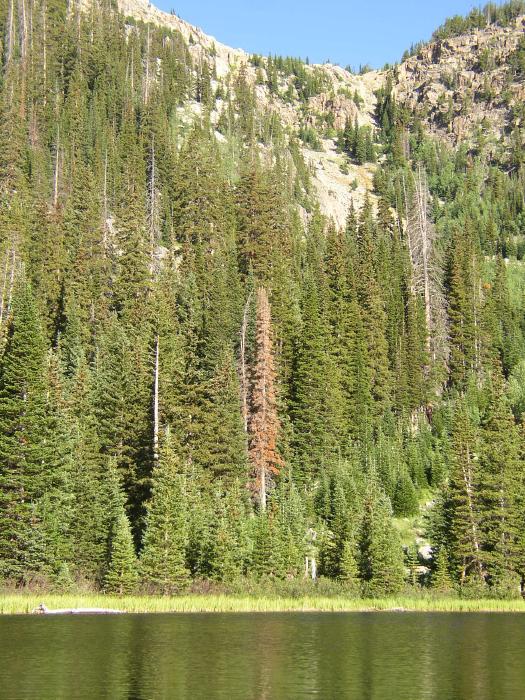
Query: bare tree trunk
[(24, 35), (146, 85), (421, 201), (243, 368), (467, 479), (11, 281), (476, 304), (57, 166), (8, 285), (23, 32), (4, 287), (156, 401), (10, 39), (426, 268), (105, 202), (152, 203), (313, 565)]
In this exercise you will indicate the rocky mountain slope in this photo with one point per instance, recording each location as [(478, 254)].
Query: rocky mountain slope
[(467, 82), (459, 87), (344, 96)]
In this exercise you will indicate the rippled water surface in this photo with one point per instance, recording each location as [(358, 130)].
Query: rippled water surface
[(396, 656)]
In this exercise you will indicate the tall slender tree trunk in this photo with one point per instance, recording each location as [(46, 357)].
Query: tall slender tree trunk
[(4, 287), (243, 363), (152, 203), (264, 422), (426, 268), (156, 400), (57, 167), (467, 479), (11, 281), (146, 79), (44, 52), (10, 39)]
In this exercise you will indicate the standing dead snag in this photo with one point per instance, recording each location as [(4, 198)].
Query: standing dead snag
[(264, 421), (426, 268), (243, 365), (156, 401)]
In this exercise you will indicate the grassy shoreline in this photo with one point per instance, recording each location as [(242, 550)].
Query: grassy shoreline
[(24, 603)]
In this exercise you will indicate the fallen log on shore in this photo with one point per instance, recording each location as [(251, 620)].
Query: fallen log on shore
[(43, 610)]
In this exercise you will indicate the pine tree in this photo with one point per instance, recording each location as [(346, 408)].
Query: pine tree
[(405, 501), (464, 307), (269, 547), (381, 558), (30, 459), (317, 401), (262, 222), (506, 341), (203, 214), (122, 383), (463, 505), (293, 534), (349, 571), (133, 283), (90, 526), (220, 441), (163, 557), (231, 543), (500, 483), (441, 580), (411, 562), (373, 311), (121, 576)]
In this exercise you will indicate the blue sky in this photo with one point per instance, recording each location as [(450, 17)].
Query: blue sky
[(350, 33)]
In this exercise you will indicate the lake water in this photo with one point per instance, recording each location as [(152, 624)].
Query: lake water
[(392, 656)]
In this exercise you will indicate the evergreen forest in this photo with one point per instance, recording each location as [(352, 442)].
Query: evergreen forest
[(204, 381)]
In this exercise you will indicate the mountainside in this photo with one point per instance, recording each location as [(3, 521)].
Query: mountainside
[(461, 88), (260, 320), (461, 85), (337, 97)]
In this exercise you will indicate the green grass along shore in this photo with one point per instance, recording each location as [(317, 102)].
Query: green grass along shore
[(24, 603)]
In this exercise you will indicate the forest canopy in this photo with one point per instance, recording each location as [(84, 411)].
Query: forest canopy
[(202, 378)]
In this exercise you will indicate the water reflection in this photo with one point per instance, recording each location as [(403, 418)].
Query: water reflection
[(261, 657)]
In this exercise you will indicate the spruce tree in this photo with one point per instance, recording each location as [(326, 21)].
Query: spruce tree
[(463, 505), (317, 401), (441, 580), (381, 557), (464, 306), (121, 575), (348, 567), (220, 440), (30, 459), (163, 558), (372, 305), (231, 542), (501, 485)]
